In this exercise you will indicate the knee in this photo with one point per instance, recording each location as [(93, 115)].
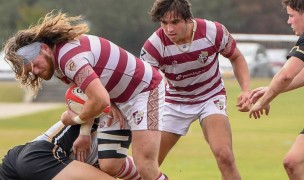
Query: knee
[(111, 166), (146, 165), (224, 156), (290, 162)]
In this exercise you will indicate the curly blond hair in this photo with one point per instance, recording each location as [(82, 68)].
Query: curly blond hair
[(54, 28)]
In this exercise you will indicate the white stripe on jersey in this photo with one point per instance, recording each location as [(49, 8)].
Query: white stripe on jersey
[(126, 78), (114, 57), (105, 76), (95, 47), (211, 31), (156, 42), (89, 59), (67, 47), (147, 77)]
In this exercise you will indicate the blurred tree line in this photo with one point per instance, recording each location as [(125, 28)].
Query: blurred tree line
[(127, 22)]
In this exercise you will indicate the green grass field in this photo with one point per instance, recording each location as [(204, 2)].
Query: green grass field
[(259, 145)]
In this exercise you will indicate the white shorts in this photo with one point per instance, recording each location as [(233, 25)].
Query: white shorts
[(178, 117), (143, 112)]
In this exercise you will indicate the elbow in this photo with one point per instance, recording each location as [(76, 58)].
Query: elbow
[(102, 103), (285, 77)]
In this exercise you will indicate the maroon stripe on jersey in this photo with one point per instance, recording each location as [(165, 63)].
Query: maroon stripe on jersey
[(83, 47), (222, 92), (157, 78), (201, 29), (194, 86), (189, 73), (188, 57), (219, 35), (139, 73), (153, 51), (104, 56), (119, 71), (216, 84), (232, 43)]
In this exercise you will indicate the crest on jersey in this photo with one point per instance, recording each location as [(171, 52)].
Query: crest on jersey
[(138, 117), (203, 56), (219, 104), (70, 65)]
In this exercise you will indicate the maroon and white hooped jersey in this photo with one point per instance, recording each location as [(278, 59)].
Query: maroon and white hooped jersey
[(192, 76), (121, 73)]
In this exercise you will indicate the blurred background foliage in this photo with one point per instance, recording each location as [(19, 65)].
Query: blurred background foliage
[(127, 23)]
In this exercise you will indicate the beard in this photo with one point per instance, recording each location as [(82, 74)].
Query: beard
[(47, 75)]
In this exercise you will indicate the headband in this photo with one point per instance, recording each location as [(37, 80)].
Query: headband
[(29, 52)]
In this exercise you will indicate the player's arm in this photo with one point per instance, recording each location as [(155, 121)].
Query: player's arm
[(82, 145), (241, 72), (98, 100), (286, 79), (297, 82)]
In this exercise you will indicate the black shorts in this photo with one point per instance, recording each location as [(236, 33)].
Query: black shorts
[(35, 160), (302, 132)]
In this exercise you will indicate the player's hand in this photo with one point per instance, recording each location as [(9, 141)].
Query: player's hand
[(257, 93), (116, 116), (258, 109), (66, 117), (82, 147), (243, 102)]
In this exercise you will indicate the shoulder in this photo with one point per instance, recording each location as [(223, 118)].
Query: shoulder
[(300, 41)]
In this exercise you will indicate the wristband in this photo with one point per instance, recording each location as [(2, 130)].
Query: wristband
[(85, 129), (77, 120)]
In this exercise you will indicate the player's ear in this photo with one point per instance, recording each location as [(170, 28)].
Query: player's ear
[(45, 48)]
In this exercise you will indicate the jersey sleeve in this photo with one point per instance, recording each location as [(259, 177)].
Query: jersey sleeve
[(298, 49), (80, 71), (228, 43), (152, 50)]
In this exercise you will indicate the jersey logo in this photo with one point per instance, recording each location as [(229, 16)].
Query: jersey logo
[(138, 117), (219, 104), (202, 57), (70, 65)]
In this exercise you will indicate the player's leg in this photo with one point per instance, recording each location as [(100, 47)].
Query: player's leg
[(8, 169), (294, 160), (128, 170), (113, 148), (79, 170), (177, 119), (217, 132), (145, 113), (168, 140), (145, 149)]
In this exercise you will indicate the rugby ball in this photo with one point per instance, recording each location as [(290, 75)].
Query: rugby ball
[(75, 99)]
